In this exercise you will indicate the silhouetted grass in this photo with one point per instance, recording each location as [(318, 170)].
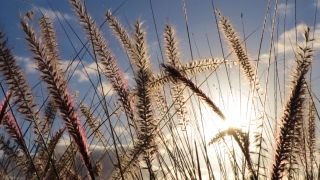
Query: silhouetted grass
[(167, 124)]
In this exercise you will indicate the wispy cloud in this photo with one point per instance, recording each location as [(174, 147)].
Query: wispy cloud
[(121, 130), (285, 9), (68, 65), (106, 89), (29, 65), (264, 58), (80, 75), (88, 70), (53, 15), (287, 40)]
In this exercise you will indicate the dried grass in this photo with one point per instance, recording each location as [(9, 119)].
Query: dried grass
[(155, 128)]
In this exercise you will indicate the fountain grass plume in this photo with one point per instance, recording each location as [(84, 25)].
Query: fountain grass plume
[(291, 122), (57, 88), (177, 75)]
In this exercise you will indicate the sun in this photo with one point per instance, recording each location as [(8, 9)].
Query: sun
[(238, 115), (237, 118)]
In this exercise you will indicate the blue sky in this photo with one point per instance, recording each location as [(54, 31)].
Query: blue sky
[(200, 18), (201, 22)]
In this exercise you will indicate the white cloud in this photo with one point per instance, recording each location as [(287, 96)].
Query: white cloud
[(107, 89), (30, 65), (89, 70), (68, 65), (53, 15), (264, 58), (282, 8), (121, 130), (81, 75), (290, 37)]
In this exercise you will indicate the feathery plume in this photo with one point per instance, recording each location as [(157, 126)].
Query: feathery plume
[(20, 91), (48, 34), (147, 123), (49, 116), (12, 127), (43, 155), (172, 54), (98, 169), (311, 139), (235, 44), (171, 46), (12, 155), (203, 65), (64, 164), (29, 15), (43, 160), (242, 140), (90, 120), (14, 131), (16, 82), (57, 87), (122, 35), (111, 71), (4, 107), (192, 68), (293, 112), (175, 73)]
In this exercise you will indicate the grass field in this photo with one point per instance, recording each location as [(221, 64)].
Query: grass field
[(108, 103)]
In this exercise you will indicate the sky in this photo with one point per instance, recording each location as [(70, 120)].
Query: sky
[(200, 17), (247, 17), (199, 13)]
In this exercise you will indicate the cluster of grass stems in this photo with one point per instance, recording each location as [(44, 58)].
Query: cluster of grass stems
[(161, 138)]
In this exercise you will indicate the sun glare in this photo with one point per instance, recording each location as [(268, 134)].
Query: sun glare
[(238, 115), (237, 118)]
